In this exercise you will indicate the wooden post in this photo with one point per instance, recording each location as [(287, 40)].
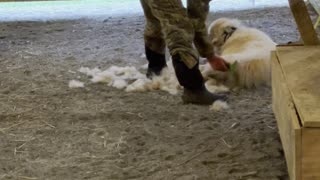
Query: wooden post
[(304, 23)]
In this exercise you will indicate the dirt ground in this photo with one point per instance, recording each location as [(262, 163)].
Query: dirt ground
[(49, 131)]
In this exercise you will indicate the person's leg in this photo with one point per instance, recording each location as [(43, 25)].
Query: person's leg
[(194, 89), (154, 42), (198, 11), (178, 33)]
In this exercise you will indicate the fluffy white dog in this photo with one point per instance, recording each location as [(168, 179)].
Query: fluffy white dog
[(249, 47)]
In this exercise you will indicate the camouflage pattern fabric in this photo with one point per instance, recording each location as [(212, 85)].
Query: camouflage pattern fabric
[(169, 23)]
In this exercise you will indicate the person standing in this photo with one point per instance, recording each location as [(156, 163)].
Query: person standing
[(170, 24)]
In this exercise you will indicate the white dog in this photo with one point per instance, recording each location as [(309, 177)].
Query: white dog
[(249, 47)]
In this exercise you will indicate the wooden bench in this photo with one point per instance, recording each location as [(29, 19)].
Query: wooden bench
[(296, 98), (316, 6)]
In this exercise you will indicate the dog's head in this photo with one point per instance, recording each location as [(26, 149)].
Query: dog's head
[(221, 29)]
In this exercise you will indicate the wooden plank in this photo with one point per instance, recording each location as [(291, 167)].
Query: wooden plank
[(298, 43), (296, 133), (301, 68), (311, 154), (288, 123), (302, 18), (316, 5)]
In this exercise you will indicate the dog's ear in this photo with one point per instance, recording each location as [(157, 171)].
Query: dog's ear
[(229, 29)]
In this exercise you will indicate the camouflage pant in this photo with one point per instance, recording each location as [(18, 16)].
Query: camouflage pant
[(169, 24)]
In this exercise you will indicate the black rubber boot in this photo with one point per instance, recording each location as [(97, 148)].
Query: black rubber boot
[(195, 91), (156, 62)]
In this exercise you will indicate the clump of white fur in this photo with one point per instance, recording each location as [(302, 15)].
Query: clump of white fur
[(212, 86), (250, 47), (119, 84), (219, 106), (139, 85), (89, 72), (131, 80), (76, 84)]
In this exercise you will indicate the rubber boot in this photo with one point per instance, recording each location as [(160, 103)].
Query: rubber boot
[(156, 62), (195, 91)]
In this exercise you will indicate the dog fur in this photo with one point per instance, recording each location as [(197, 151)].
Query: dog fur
[(250, 47)]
